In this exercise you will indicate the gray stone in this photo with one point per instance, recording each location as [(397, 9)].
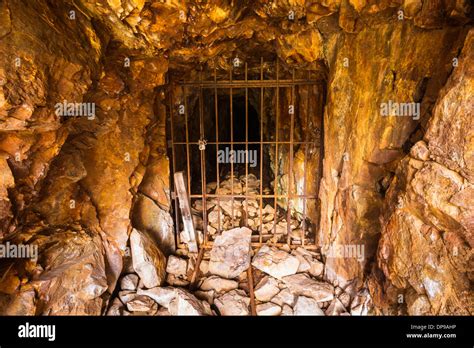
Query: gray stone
[(286, 310), (284, 297), (187, 304), (274, 262), (220, 285), (269, 309), (266, 289), (148, 261), (140, 303), (176, 266), (306, 306), (230, 254), (234, 302), (126, 296), (335, 308), (129, 282), (300, 284), (162, 296)]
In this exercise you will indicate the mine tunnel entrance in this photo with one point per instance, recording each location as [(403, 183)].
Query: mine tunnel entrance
[(249, 145)]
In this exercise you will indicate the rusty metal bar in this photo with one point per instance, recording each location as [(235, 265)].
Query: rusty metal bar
[(203, 162), (188, 163), (277, 131), (216, 106), (243, 143), (195, 275), (231, 144), (211, 195), (290, 174), (321, 151), (246, 147), (253, 308), (257, 245), (308, 107), (171, 108), (250, 83), (260, 218)]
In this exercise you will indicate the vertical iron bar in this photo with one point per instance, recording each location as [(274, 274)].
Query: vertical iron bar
[(253, 308), (246, 147), (188, 161), (275, 185), (261, 152), (231, 146), (217, 149), (171, 108), (321, 150), (203, 162), (308, 100), (290, 174)]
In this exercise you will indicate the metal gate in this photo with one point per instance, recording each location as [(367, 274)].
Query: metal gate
[(178, 108)]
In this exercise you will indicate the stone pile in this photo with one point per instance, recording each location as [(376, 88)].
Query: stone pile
[(225, 213), (284, 283)]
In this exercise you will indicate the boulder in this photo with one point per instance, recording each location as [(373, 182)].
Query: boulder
[(129, 282), (234, 302), (140, 303), (286, 310), (220, 285), (301, 284), (176, 266), (187, 304), (266, 289), (269, 309), (274, 262), (284, 297), (306, 306), (148, 261), (162, 296), (230, 254), (335, 308)]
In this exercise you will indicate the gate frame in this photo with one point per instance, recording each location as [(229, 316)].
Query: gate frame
[(202, 143)]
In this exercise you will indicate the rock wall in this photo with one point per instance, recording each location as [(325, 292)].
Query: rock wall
[(71, 182), (362, 147), (425, 252), (77, 187)]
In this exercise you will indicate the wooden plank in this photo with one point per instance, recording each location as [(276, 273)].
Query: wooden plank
[(183, 198)]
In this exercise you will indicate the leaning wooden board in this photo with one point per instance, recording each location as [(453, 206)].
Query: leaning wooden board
[(183, 198)]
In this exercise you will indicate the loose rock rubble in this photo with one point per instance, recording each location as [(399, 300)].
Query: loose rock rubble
[(224, 213), (285, 283)]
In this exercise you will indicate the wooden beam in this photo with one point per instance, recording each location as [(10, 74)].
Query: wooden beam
[(183, 198)]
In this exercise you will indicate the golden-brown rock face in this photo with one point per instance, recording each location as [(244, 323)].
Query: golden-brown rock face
[(425, 251), (76, 186)]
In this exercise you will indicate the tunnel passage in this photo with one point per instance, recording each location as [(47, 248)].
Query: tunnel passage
[(250, 151)]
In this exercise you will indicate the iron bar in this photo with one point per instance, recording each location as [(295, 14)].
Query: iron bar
[(171, 108), (246, 147), (216, 105), (203, 162), (250, 83), (243, 143), (253, 308), (231, 145), (188, 163), (308, 110), (260, 218), (290, 174), (275, 185), (211, 195)]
